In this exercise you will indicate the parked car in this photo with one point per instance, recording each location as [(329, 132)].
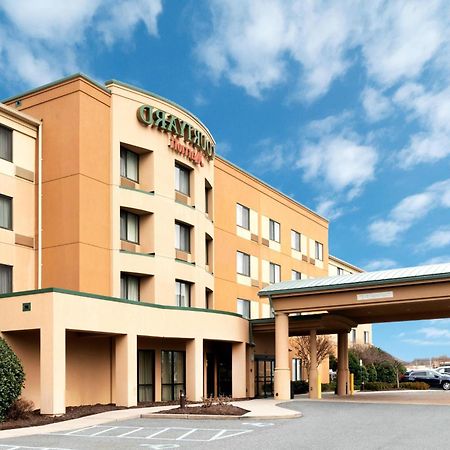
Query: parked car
[(431, 377), (444, 369)]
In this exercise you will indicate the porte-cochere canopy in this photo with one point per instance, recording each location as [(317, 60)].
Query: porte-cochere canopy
[(337, 303)]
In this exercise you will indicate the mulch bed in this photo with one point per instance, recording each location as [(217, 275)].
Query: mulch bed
[(216, 410), (72, 412)]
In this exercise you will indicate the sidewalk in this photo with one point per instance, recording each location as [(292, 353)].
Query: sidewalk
[(258, 409)]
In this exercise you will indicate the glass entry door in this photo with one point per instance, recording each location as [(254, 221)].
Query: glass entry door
[(146, 373), (265, 367)]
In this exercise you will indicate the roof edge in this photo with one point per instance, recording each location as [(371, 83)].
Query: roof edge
[(349, 286), (55, 83), (115, 299), (264, 183), (344, 262), (20, 115), (159, 97)]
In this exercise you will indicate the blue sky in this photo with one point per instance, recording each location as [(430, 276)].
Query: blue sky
[(344, 105)]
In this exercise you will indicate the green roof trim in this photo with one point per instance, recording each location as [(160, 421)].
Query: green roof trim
[(128, 252), (55, 83), (115, 299), (184, 262), (184, 204), (159, 97), (342, 286), (137, 190)]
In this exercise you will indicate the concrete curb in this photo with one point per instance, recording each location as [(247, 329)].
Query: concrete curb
[(294, 415)]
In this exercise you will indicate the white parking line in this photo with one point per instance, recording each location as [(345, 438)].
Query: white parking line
[(129, 432), (157, 433), (186, 434), (103, 431), (27, 447)]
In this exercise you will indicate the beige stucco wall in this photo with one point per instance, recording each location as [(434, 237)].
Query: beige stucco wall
[(158, 210), (17, 246), (82, 371), (232, 186)]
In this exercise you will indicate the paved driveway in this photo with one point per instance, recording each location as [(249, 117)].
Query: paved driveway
[(428, 397), (336, 425)]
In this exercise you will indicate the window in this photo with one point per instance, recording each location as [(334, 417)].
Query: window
[(340, 271), (182, 175), (173, 374), (182, 237), (242, 216), (146, 370), (243, 308), (366, 337), (243, 264), (296, 240), (275, 273), (5, 279), (129, 226), (208, 197), (296, 369), (353, 336), (5, 212), (274, 230), (5, 143), (129, 287), (319, 251), (182, 293), (296, 275), (129, 164)]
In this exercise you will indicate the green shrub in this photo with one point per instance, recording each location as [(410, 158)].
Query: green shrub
[(300, 387), (416, 385), (378, 386), (329, 387), (12, 377)]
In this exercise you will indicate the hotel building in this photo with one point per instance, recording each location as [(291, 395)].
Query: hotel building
[(131, 255)]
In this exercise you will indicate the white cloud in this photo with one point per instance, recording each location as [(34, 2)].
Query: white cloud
[(42, 41), (434, 332), (253, 42), (345, 165), (329, 209), (408, 211), (271, 157), (380, 264), (400, 38), (439, 238), (432, 110), (376, 105), (444, 259)]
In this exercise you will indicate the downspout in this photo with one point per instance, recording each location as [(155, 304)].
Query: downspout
[(40, 206)]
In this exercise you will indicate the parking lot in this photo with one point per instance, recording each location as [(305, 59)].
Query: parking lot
[(340, 425)]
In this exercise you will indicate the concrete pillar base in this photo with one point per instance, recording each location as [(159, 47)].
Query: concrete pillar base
[(53, 371), (282, 383), (239, 370), (126, 370), (194, 369)]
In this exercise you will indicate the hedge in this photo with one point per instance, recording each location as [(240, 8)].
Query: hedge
[(12, 377), (382, 386)]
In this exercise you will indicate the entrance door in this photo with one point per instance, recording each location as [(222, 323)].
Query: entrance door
[(146, 374), (265, 366), (210, 377)]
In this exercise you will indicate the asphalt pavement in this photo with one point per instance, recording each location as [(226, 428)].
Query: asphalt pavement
[(323, 425)]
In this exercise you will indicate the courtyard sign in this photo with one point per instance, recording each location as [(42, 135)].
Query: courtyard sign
[(201, 145)]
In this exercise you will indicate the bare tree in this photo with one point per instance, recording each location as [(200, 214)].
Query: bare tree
[(301, 346)]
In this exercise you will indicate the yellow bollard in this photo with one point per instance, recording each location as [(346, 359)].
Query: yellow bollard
[(319, 386), (352, 383)]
